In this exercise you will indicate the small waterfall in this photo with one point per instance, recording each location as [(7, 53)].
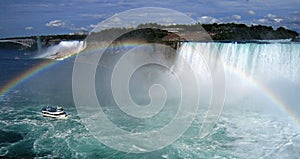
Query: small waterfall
[(62, 50), (39, 43)]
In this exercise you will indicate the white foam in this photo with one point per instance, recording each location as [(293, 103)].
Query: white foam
[(63, 50)]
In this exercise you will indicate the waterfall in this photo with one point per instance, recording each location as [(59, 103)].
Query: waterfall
[(39, 43), (62, 50), (255, 59), (258, 75)]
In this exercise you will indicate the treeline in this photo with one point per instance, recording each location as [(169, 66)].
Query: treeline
[(63, 37), (231, 31), (140, 35)]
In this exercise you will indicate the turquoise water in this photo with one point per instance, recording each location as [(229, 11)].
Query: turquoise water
[(25, 133)]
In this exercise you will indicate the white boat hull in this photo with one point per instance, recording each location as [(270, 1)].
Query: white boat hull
[(62, 116)]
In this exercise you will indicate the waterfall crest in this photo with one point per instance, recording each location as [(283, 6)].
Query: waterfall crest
[(255, 59)]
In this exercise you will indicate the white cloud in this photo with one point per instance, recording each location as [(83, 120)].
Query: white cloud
[(278, 20), (93, 26), (116, 19), (56, 23), (83, 29), (190, 14), (271, 15), (28, 28), (274, 18), (72, 27), (94, 16), (262, 20), (236, 17), (63, 24), (291, 21), (207, 19), (251, 12)]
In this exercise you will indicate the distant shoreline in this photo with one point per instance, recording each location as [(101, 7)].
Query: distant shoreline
[(169, 35)]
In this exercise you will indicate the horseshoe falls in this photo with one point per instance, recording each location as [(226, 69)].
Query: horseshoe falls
[(260, 117), (262, 87)]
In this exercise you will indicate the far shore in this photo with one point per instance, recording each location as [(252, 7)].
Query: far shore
[(170, 35)]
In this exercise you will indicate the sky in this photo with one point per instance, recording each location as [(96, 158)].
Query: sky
[(30, 17)]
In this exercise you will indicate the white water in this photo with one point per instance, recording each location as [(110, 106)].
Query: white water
[(276, 60), (263, 128), (275, 66), (63, 50)]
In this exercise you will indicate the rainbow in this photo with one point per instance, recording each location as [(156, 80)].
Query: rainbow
[(49, 63), (267, 92), (26, 75)]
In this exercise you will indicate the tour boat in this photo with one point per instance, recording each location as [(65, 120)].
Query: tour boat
[(54, 112)]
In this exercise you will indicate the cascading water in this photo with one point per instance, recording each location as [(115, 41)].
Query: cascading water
[(274, 59), (262, 83), (63, 50), (272, 65)]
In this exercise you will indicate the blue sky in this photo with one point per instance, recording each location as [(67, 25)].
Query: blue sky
[(22, 18)]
